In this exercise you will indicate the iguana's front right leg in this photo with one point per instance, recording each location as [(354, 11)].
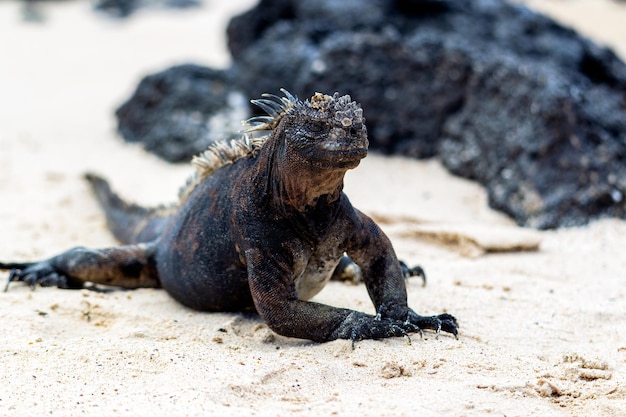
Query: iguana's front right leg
[(276, 301), (130, 266)]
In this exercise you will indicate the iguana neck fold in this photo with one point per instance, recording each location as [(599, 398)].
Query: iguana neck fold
[(294, 184), (300, 187)]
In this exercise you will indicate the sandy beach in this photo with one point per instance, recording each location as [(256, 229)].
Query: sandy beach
[(542, 314)]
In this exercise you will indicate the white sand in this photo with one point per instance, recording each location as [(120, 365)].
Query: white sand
[(542, 332)]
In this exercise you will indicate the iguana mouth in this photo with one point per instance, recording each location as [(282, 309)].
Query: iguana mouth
[(347, 148), (341, 140), (344, 155)]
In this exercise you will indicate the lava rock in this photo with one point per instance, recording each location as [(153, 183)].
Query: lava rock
[(124, 8), (177, 113), (549, 153), (114, 8), (244, 29), (503, 95)]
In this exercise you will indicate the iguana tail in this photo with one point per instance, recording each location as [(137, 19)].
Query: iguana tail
[(129, 223)]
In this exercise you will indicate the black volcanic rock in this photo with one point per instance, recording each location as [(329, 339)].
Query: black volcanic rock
[(501, 94), (178, 112), (124, 8), (548, 152)]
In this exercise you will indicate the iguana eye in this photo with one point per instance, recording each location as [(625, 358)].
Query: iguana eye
[(316, 127)]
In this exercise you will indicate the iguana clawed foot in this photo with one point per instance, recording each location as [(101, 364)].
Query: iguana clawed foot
[(442, 322), (358, 326), (416, 271), (35, 273)]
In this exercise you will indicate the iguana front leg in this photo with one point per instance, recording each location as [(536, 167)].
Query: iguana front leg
[(130, 266), (383, 276), (276, 301)]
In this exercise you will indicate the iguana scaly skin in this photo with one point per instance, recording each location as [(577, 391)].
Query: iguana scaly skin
[(262, 225)]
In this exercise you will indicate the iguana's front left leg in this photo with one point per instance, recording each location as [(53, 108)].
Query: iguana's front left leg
[(130, 266), (383, 277)]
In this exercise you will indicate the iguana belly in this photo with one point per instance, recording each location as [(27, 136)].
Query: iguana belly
[(315, 276)]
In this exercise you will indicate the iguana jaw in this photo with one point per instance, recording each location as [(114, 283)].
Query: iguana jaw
[(342, 158), (344, 145), (331, 155)]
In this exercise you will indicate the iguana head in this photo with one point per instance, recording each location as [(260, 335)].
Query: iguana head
[(325, 131)]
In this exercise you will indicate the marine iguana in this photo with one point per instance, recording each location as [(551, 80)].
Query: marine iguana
[(262, 225)]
